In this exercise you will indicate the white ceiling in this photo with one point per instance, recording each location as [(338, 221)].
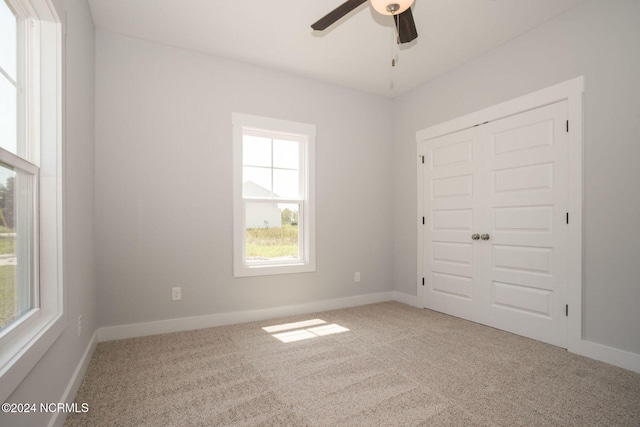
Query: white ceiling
[(355, 52)]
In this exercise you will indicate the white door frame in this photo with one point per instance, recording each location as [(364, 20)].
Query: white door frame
[(572, 91)]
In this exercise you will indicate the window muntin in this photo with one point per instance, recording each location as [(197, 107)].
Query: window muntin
[(273, 202)]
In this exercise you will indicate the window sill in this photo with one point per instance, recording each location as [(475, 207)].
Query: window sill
[(268, 270), (24, 350)]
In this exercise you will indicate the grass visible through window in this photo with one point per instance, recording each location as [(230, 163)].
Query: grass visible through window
[(7, 277), (272, 243)]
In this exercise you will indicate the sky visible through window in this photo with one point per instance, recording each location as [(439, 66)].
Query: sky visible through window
[(8, 77), (273, 165)]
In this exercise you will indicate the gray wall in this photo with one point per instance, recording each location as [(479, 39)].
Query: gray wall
[(164, 183), (50, 377), (600, 40)]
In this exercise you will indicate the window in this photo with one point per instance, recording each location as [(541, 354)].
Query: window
[(31, 316), (17, 188), (273, 196)]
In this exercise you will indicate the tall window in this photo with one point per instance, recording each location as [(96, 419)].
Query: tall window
[(273, 200), (31, 316), (18, 178)]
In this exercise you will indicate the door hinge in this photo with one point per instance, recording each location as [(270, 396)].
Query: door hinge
[(423, 281), (567, 217), (566, 310), (567, 125)]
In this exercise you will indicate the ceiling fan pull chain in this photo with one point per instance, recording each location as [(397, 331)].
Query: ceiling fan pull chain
[(396, 30), (394, 60), (393, 53), (394, 46)]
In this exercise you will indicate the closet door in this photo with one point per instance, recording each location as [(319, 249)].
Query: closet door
[(495, 235), (526, 159), (453, 207)]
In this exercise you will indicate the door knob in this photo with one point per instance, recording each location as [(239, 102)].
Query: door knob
[(475, 237), (485, 237)]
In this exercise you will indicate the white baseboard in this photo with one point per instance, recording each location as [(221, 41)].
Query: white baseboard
[(406, 299), (69, 394), (610, 355), (111, 333)]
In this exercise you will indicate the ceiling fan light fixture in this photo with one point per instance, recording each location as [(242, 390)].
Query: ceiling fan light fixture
[(391, 7)]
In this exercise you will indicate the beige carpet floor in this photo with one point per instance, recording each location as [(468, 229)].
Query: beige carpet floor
[(384, 364)]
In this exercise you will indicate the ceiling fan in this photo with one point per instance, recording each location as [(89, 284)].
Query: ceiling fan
[(399, 9)]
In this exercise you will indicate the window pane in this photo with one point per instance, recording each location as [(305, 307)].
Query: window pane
[(286, 183), (272, 231), (8, 115), (8, 28), (256, 151), (286, 154), (16, 245), (256, 182)]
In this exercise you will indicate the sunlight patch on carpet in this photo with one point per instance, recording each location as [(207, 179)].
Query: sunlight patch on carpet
[(304, 330), (295, 325)]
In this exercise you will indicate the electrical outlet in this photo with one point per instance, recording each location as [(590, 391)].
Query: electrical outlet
[(79, 325), (356, 277), (176, 293)]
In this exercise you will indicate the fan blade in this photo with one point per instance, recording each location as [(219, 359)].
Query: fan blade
[(336, 14), (406, 26)]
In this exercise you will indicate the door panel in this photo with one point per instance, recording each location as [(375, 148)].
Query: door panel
[(523, 178), (527, 301), (530, 218), (457, 152), (452, 220), (525, 259), (452, 186), (459, 253), (452, 285), (523, 138)]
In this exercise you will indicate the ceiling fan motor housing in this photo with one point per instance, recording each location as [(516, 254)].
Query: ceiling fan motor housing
[(387, 7)]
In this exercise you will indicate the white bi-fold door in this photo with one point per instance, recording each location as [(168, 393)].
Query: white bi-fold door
[(495, 233)]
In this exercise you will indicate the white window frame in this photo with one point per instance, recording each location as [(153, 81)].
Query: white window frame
[(305, 133), (25, 342)]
